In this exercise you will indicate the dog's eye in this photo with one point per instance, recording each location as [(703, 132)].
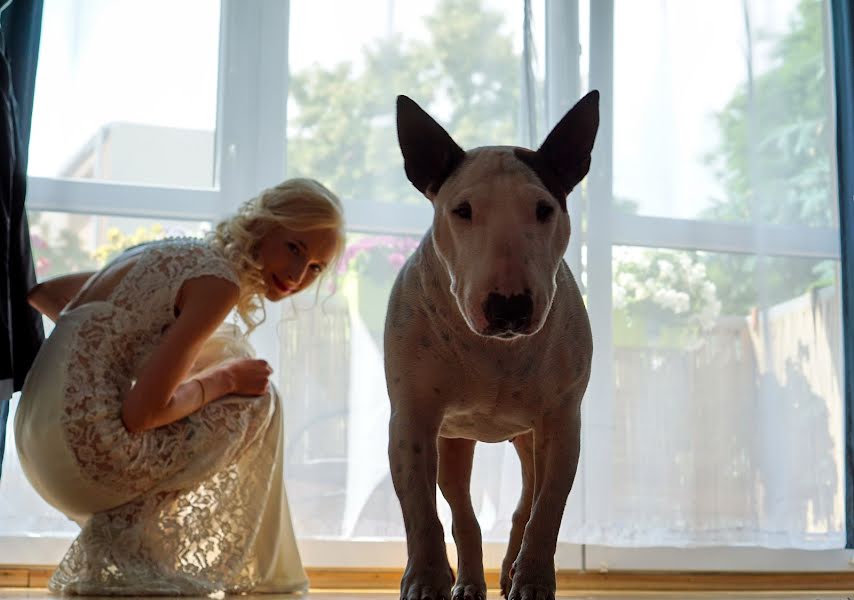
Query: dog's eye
[(544, 211), (463, 211)]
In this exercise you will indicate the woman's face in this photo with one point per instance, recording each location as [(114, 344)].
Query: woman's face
[(292, 260)]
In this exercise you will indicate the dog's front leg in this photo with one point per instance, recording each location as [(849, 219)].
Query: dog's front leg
[(455, 464), (413, 458), (557, 446), (524, 445)]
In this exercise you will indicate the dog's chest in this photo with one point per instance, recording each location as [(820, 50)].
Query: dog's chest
[(492, 411), (494, 391), (485, 427)]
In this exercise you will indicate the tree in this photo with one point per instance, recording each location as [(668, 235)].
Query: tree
[(774, 162), (56, 254), (343, 131), (64, 253)]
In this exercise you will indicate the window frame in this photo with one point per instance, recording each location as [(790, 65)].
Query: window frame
[(608, 228), (251, 154)]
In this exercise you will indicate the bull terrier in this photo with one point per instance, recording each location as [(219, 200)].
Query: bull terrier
[(487, 339)]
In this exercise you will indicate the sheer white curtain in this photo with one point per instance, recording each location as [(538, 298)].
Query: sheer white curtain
[(465, 61), (723, 424), (704, 237), (716, 414)]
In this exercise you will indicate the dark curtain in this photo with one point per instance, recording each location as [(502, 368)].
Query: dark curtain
[(843, 60), (21, 326)]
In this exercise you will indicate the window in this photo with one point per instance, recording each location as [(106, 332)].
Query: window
[(125, 94), (712, 230), (705, 239)]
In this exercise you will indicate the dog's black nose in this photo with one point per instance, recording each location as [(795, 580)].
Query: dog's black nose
[(508, 313)]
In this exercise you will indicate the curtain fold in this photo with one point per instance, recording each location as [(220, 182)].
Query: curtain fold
[(20, 32), (843, 53)]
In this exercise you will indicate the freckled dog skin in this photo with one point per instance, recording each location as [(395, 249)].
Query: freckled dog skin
[(487, 339)]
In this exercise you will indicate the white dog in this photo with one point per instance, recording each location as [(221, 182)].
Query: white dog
[(487, 339)]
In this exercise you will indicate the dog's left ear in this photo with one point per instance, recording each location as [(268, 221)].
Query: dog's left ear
[(430, 155), (564, 158)]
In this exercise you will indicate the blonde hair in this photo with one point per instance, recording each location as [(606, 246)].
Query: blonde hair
[(298, 204)]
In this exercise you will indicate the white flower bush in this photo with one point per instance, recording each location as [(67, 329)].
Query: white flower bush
[(662, 297)]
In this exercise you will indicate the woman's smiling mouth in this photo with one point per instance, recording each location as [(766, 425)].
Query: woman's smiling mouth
[(278, 283)]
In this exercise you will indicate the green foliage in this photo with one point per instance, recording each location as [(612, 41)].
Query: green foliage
[(773, 159), (343, 130), (64, 253), (56, 255), (775, 166), (466, 74), (118, 242)]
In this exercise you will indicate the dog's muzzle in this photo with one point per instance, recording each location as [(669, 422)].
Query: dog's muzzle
[(508, 316)]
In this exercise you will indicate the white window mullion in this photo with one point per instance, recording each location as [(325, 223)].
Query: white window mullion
[(598, 409), (562, 90), (767, 240), (252, 98), (370, 216), (252, 118), (86, 196)]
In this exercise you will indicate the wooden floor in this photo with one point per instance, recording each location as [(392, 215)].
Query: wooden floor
[(39, 593)]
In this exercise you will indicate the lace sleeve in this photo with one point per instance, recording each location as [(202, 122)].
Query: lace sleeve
[(163, 267), (211, 263)]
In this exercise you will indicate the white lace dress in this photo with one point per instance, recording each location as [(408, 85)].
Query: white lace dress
[(191, 508)]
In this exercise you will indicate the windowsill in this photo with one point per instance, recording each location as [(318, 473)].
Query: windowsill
[(568, 581)]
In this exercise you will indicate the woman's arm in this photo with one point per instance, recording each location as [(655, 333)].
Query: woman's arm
[(162, 395), (51, 296)]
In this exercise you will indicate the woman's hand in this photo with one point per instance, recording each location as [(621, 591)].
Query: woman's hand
[(162, 394), (249, 376)]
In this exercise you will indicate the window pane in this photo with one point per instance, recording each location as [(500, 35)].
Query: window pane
[(71, 242), (65, 243), (459, 59), (722, 111), (126, 91), (728, 413), (336, 404), (462, 61), (23, 512)]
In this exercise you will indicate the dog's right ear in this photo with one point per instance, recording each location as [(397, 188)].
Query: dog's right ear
[(430, 155), (563, 159), (568, 146)]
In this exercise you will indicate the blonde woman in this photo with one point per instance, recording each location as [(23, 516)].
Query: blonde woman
[(147, 421)]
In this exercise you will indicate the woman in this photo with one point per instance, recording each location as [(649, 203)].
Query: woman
[(146, 420)]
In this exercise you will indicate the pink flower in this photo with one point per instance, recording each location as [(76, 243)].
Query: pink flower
[(396, 260), (398, 247), (37, 241), (42, 266)]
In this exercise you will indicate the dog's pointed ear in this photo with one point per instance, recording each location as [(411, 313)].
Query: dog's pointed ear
[(564, 158), (430, 155), (568, 147)]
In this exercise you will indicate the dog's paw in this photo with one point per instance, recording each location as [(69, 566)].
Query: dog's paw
[(427, 582), (531, 581), (469, 591), (531, 592)]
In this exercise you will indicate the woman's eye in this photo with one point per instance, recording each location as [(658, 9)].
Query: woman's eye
[(544, 211), (294, 248), (463, 211), (316, 269)]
